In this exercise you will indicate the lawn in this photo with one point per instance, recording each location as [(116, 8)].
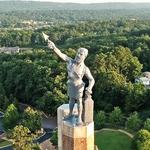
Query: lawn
[(112, 140), (4, 142)]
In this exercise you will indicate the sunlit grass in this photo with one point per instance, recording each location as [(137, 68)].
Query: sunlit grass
[(112, 140)]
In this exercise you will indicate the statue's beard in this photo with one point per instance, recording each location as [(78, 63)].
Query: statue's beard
[(78, 60)]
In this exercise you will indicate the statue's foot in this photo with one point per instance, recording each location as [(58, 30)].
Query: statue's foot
[(79, 122), (68, 116)]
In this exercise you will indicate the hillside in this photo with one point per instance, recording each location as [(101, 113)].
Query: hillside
[(35, 5)]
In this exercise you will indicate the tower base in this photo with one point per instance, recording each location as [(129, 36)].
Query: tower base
[(72, 136)]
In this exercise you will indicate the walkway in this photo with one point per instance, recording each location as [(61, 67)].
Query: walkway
[(7, 148), (120, 130), (47, 145), (45, 137)]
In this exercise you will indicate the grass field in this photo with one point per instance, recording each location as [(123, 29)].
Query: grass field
[(112, 140)]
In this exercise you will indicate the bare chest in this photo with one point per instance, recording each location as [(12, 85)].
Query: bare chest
[(75, 71)]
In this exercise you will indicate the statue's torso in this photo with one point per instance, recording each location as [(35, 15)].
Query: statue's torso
[(75, 75), (75, 72)]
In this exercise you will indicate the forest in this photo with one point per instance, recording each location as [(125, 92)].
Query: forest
[(117, 36), (118, 54), (12, 14)]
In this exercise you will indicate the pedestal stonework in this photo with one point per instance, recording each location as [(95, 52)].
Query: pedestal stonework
[(77, 137), (71, 136), (88, 110), (62, 111)]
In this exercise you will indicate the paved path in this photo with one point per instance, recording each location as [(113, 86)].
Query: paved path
[(47, 145), (45, 137), (44, 141), (7, 148), (120, 130)]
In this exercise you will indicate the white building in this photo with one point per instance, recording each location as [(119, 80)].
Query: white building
[(9, 50), (144, 79)]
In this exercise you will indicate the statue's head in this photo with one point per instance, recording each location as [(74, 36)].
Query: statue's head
[(81, 55)]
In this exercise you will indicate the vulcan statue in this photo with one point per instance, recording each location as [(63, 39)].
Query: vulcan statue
[(76, 70)]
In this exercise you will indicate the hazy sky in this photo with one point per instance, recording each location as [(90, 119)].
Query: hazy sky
[(96, 1)]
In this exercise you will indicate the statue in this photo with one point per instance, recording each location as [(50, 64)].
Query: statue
[(76, 70)]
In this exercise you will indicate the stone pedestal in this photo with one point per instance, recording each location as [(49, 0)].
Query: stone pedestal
[(62, 111), (88, 110), (71, 136), (77, 137)]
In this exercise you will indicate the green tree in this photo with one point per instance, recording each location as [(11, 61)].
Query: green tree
[(4, 102), (11, 117), (128, 64), (100, 119), (54, 138), (32, 119), (113, 72), (133, 122), (136, 97), (147, 124), (116, 117), (109, 82), (141, 140), (23, 138)]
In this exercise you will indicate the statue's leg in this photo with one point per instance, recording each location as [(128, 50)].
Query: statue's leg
[(71, 105), (80, 108)]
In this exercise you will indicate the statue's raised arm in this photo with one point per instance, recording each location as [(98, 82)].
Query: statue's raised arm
[(52, 46)]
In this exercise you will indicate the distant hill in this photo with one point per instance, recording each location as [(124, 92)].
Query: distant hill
[(13, 12), (14, 5)]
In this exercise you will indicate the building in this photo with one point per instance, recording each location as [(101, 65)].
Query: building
[(9, 50), (144, 79)]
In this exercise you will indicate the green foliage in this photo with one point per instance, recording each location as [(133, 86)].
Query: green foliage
[(23, 138), (141, 140), (128, 65), (116, 117), (100, 119), (113, 73), (147, 124), (116, 51), (34, 78), (4, 102), (54, 138), (11, 117), (133, 122), (4, 143), (137, 97), (32, 119)]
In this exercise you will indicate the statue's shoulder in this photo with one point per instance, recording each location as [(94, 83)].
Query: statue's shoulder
[(85, 68), (69, 61)]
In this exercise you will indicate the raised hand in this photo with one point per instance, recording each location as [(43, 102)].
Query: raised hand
[(51, 45)]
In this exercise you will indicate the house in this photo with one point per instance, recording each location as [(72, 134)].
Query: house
[(144, 79), (9, 50)]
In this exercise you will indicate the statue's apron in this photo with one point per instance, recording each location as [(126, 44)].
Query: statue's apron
[(75, 83)]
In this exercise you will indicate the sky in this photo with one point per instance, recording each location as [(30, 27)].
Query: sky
[(97, 1)]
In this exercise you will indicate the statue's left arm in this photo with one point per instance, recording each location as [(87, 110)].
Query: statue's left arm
[(91, 80)]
